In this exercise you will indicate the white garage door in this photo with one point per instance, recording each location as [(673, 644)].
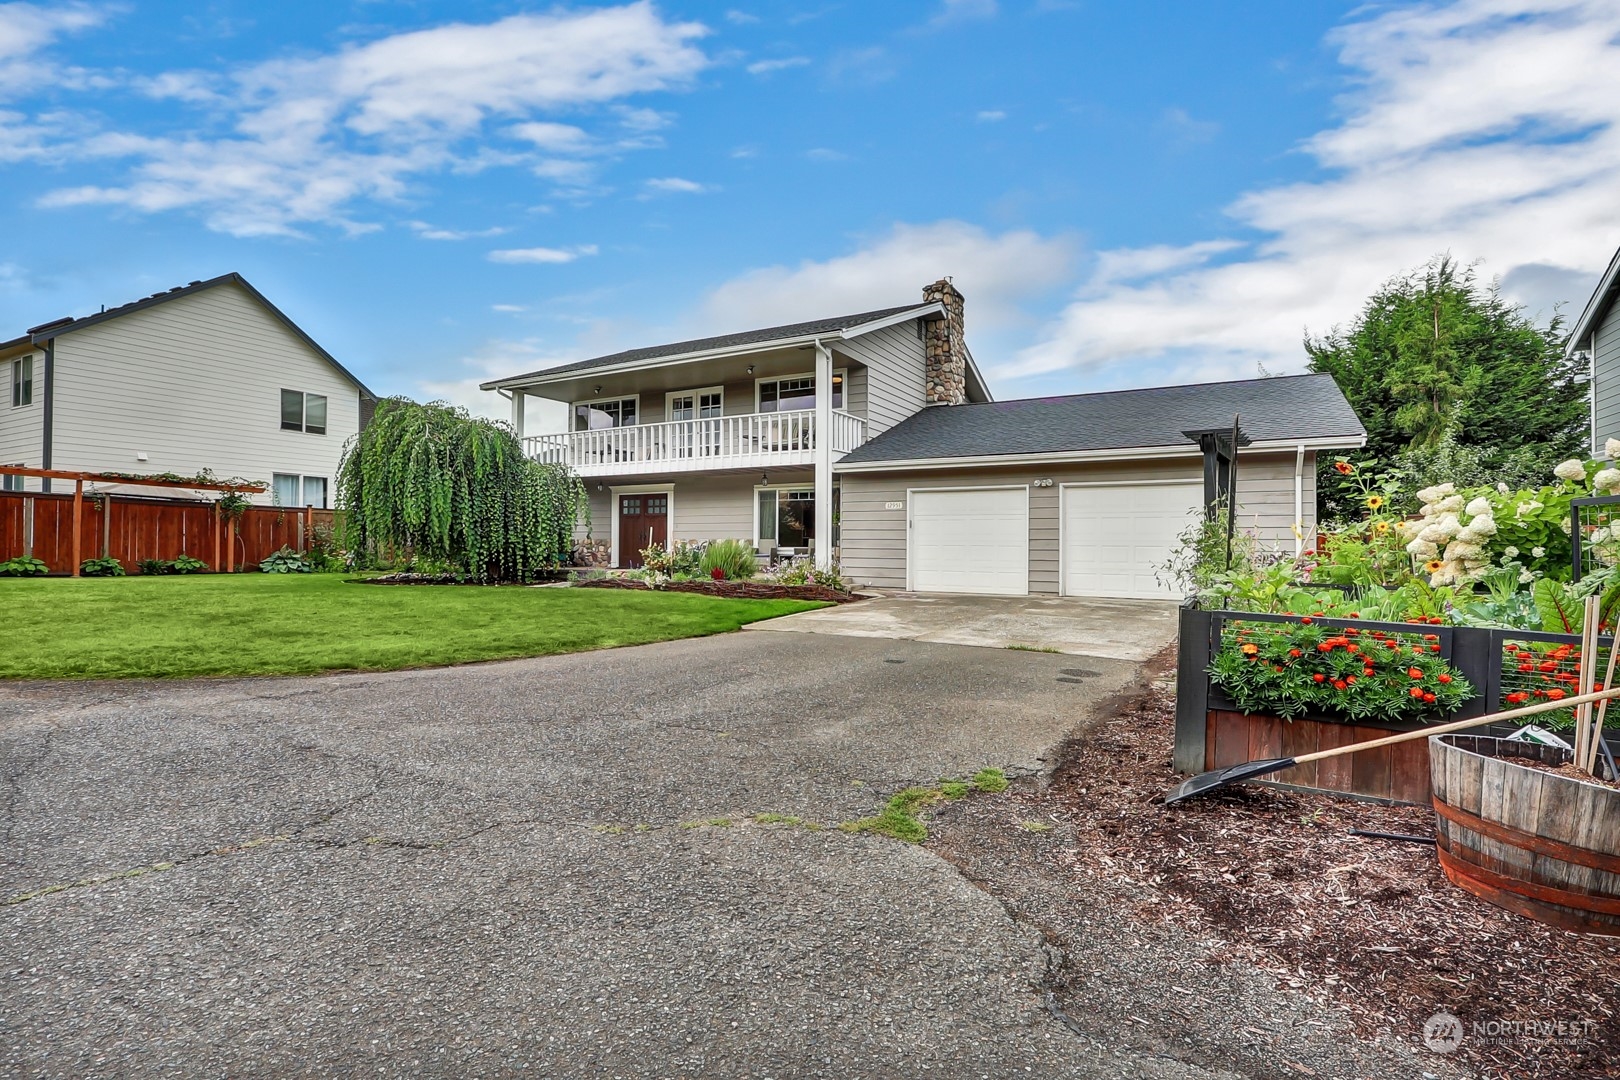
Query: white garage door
[(970, 541), (1116, 536)]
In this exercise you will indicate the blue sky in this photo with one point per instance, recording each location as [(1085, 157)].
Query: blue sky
[(1127, 194)]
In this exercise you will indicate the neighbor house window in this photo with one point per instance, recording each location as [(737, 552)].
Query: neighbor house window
[(291, 489), (595, 415), (797, 393), (22, 382), (12, 483), (303, 412)]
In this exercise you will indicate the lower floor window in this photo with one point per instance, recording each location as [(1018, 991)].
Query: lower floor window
[(786, 518), (293, 490)]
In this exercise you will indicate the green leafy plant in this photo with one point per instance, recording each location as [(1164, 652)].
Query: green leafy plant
[(156, 566), (680, 560), (734, 559), (1289, 669), (284, 561), (24, 566), (101, 568), (1199, 558), (185, 564), (803, 571), (446, 485)]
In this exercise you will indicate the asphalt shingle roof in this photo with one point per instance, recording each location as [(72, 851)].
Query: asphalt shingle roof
[(1289, 407), (724, 341)]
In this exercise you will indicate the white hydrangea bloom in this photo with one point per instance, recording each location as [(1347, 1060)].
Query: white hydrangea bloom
[(1501, 489), (1525, 508), (1570, 470), (1484, 525), (1563, 525), (1422, 549), (1538, 552), (1611, 449), (1459, 550), (1526, 577), (1451, 504), (1510, 552), (1606, 481), (1430, 494), (1482, 505)]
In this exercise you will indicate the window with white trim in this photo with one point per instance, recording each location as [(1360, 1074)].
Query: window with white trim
[(797, 393), (290, 489), (22, 382), (303, 412), (611, 413)]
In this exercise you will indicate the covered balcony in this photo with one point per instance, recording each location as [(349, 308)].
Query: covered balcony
[(745, 440)]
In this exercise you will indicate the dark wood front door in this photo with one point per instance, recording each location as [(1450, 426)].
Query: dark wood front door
[(643, 523)]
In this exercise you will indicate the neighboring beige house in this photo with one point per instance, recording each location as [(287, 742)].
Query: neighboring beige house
[(921, 481), (209, 375)]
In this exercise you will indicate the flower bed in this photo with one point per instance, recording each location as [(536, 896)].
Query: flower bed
[(737, 590)]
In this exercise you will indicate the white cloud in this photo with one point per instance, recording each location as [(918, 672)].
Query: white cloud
[(495, 359), (310, 137), (741, 18), (430, 232), (1481, 128), (996, 273), (1186, 129), (26, 29), (509, 309), (990, 116), (675, 184), (765, 67), (823, 153), (541, 254)]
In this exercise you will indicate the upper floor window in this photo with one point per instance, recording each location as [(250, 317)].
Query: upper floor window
[(595, 415), (796, 393), (22, 382), (303, 412)]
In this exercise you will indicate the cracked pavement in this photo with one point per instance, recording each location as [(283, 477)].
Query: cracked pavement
[(493, 869)]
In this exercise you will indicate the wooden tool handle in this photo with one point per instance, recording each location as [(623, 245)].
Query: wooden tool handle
[(1459, 725)]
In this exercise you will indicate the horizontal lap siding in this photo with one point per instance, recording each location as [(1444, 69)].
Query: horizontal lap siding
[(715, 508), (874, 538), (22, 430), (894, 386), (195, 383), (1606, 380)]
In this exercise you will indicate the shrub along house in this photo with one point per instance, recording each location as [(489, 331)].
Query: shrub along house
[(920, 480)]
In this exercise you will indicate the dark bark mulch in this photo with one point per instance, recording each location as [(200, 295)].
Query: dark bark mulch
[(1371, 926), (736, 590)]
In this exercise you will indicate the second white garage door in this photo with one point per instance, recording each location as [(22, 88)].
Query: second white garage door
[(1115, 536), (972, 540)]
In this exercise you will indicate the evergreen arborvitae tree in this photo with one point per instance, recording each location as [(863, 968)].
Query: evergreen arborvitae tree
[(446, 486), (1440, 368)]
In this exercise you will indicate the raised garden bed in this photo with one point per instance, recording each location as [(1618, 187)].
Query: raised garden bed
[(1212, 731), (735, 590)]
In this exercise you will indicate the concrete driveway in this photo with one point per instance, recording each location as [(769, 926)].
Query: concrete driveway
[(551, 867), (1079, 626)]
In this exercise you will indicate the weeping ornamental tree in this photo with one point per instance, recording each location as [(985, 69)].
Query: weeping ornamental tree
[(447, 486)]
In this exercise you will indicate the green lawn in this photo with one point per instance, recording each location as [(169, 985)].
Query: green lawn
[(274, 624)]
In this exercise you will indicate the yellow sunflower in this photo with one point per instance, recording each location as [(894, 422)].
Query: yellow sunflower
[(1374, 502), (1433, 566), (1381, 528)]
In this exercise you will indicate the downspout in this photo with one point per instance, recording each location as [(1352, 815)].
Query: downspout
[(47, 422), (1299, 499)]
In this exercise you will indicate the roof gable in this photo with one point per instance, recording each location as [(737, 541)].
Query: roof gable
[(1284, 409), (721, 343), (1603, 298), (49, 331)]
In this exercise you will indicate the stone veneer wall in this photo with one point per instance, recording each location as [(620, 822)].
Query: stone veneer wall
[(944, 349)]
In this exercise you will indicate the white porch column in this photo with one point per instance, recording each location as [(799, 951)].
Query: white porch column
[(518, 399), (824, 451)]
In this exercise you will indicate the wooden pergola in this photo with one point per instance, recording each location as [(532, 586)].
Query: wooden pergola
[(81, 478)]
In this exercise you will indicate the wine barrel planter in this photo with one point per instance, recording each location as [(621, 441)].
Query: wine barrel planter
[(1539, 844)]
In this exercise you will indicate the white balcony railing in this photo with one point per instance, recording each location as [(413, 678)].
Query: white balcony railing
[(721, 442)]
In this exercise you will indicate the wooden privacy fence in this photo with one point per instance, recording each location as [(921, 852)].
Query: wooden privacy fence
[(131, 528)]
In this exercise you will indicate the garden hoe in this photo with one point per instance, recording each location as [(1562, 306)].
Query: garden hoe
[(1233, 774)]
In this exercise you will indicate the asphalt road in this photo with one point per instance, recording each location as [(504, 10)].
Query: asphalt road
[(508, 868)]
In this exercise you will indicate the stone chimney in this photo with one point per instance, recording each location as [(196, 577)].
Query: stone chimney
[(944, 349)]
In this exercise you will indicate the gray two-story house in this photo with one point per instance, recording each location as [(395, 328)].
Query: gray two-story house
[(1597, 334), (873, 439)]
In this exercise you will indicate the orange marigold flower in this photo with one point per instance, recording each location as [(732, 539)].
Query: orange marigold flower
[(1416, 673), (1319, 677), (1248, 650), (1556, 695), (1443, 678), (1416, 692), (1428, 697)]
